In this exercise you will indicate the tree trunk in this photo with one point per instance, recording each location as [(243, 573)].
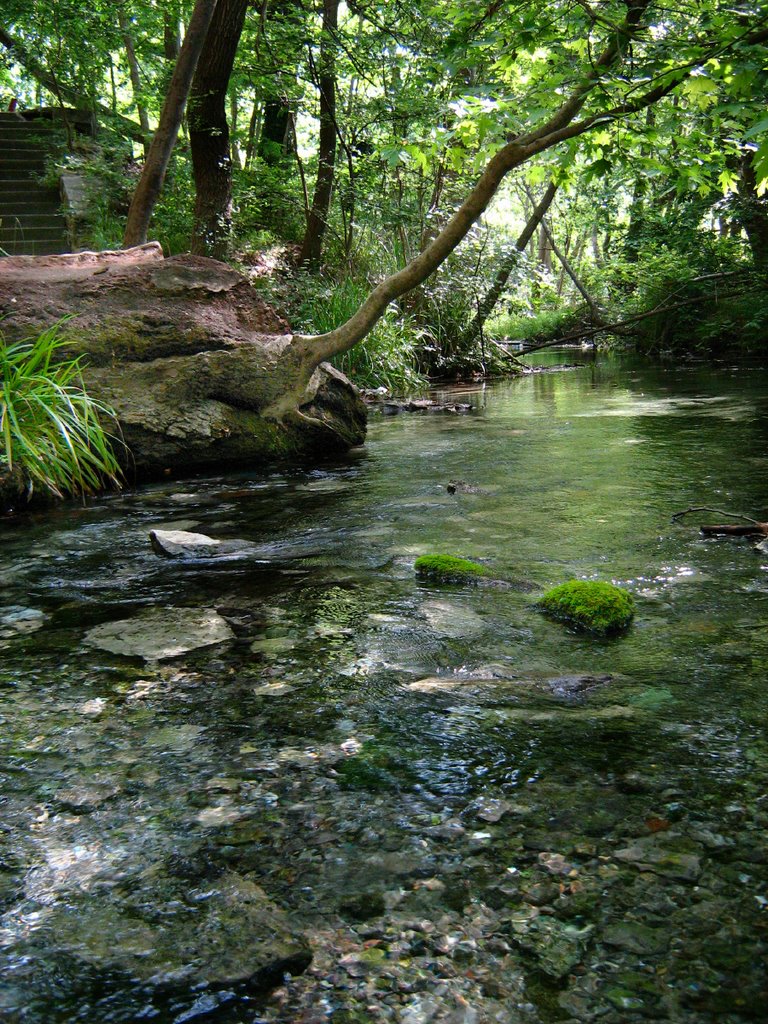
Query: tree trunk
[(171, 40), (209, 131), (253, 124), (318, 215), (134, 72), (156, 164), (594, 311), (275, 130), (508, 264), (753, 213)]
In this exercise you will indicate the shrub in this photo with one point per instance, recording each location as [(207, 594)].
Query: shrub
[(599, 608), (386, 358), (449, 569), (49, 426)]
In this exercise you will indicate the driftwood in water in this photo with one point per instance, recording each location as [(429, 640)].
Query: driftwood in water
[(755, 529)]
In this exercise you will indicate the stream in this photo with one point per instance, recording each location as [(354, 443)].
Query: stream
[(461, 811)]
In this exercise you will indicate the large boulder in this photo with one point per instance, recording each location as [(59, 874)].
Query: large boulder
[(186, 352)]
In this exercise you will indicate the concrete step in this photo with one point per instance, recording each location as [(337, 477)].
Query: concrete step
[(6, 116), (29, 207), (24, 130), (12, 232), (40, 247), (21, 175), (16, 159), (45, 218), (25, 191), (22, 146)]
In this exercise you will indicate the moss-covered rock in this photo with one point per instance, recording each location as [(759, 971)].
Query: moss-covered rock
[(188, 355), (594, 607), (449, 569)]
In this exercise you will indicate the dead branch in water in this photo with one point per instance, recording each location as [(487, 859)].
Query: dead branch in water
[(717, 511), (755, 529)]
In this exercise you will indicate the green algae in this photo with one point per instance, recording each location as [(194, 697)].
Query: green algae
[(449, 569), (599, 608)]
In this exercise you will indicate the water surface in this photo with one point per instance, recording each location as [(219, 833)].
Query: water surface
[(458, 837)]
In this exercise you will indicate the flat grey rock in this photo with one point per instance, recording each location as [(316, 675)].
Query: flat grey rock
[(161, 633), (183, 544)]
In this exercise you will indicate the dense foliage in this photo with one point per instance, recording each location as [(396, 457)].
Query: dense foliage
[(356, 131)]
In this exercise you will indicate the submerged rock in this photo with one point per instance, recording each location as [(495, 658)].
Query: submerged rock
[(230, 935), (158, 633), (453, 620)]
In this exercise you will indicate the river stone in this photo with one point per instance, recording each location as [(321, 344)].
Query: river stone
[(684, 867), (236, 934), (575, 685), (453, 620), (159, 633), (556, 947), (636, 937), (182, 544)]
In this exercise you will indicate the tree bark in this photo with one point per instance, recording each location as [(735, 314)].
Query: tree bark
[(156, 164), (209, 131), (135, 76), (753, 213), (508, 264), (312, 245), (171, 40), (275, 129)]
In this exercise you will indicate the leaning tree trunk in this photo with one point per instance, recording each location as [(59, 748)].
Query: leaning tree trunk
[(306, 352), (508, 264), (594, 309), (317, 222), (209, 131), (156, 164)]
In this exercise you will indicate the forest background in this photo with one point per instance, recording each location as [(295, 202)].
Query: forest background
[(422, 182)]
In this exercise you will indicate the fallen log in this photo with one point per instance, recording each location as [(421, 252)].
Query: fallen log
[(755, 530)]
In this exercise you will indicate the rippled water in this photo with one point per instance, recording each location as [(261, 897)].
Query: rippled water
[(309, 756)]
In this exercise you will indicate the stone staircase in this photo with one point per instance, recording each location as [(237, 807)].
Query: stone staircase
[(31, 218)]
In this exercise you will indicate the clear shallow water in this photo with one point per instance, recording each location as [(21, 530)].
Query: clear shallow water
[(309, 756)]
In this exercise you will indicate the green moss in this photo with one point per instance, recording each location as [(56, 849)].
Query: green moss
[(599, 608), (448, 568)]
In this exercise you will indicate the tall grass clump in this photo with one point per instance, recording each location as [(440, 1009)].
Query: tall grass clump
[(50, 428), (386, 358)]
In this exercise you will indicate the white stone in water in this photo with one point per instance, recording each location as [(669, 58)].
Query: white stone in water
[(182, 544), (453, 620), (161, 633)]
